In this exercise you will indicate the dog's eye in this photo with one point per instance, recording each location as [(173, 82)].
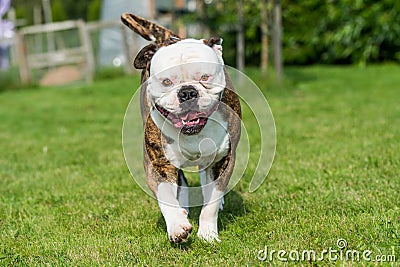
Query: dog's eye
[(167, 82), (205, 78)]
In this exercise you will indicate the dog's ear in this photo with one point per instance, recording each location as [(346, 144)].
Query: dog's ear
[(144, 56), (147, 29), (216, 44)]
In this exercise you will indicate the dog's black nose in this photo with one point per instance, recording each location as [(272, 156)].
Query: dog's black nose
[(187, 92)]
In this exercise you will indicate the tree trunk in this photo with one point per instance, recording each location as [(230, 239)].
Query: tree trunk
[(277, 39), (37, 19), (179, 6), (48, 18), (204, 30), (240, 56), (264, 36), (152, 9)]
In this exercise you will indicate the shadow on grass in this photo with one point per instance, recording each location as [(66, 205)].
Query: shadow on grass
[(298, 75), (233, 208)]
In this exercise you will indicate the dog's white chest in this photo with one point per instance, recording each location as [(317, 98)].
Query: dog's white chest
[(208, 146)]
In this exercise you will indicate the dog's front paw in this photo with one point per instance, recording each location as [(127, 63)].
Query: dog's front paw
[(179, 233), (208, 234)]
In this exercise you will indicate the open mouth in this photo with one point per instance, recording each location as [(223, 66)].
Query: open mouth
[(191, 122), (192, 119)]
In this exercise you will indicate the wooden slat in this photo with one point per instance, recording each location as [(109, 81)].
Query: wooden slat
[(87, 50), (24, 71), (7, 41), (93, 26), (51, 27), (57, 58)]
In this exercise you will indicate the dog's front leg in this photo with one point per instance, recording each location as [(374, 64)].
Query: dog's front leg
[(162, 178), (178, 226)]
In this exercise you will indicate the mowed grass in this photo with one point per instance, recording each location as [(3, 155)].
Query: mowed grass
[(67, 198)]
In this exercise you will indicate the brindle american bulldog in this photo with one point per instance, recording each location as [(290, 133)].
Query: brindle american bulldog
[(191, 117)]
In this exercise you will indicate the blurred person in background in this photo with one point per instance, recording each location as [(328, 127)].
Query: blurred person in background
[(6, 32)]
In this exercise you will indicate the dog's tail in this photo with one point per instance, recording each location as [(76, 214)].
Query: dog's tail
[(147, 29)]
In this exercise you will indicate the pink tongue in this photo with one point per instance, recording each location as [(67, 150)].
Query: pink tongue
[(177, 122), (188, 117), (191, 116)]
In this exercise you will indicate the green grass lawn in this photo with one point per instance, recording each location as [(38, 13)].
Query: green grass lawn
[(67, 198)]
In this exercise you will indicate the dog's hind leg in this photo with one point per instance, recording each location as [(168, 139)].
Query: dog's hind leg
[(208, 222), (183, 191), (204, 181), (221, 205)]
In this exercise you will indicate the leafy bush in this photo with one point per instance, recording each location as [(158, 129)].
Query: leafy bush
[(341, 31), (333, 31)]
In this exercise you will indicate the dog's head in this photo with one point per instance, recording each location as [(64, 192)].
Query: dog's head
[(184, 78)]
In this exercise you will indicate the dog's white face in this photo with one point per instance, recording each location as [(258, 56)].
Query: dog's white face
[(186, 81)]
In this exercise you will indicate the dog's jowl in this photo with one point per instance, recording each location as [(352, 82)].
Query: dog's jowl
[(191, 117)]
